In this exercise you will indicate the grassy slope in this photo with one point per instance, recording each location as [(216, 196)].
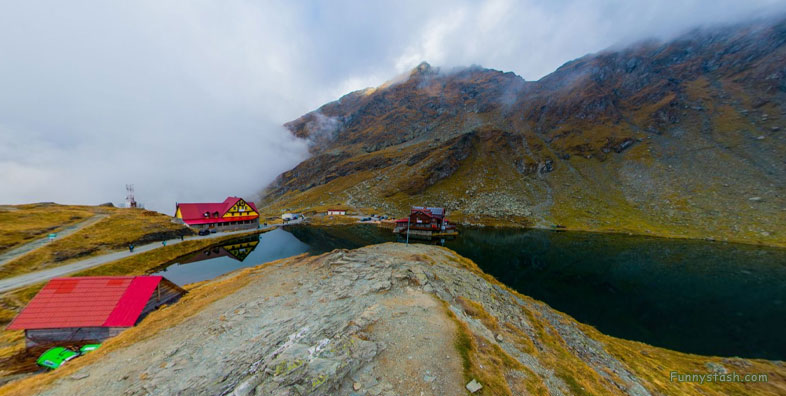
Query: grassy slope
[(123, 226), (20, 224)]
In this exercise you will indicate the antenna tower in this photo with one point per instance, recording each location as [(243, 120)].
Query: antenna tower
[(130, 201)]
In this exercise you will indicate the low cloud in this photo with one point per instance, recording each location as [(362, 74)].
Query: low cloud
[(185, 99)]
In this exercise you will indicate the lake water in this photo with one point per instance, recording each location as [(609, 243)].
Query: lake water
[(700, 297)]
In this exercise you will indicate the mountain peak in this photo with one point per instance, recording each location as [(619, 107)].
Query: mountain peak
[(422, 68)]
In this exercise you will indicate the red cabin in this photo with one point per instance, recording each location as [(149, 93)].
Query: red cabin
[(91, 308), (424, 219)]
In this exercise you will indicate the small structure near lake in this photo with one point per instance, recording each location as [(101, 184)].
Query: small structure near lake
[(91, 308), (232, 214), (425, 223), (336, 212)]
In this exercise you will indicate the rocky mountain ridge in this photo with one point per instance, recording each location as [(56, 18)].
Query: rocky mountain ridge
[(685, 138)]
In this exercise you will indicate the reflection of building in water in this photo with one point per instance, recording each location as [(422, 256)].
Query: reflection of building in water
[(238, 250)]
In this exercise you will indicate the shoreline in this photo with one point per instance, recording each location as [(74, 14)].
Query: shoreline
[(513, 225)]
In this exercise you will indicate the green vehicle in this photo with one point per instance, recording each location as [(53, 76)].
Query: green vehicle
[(55, 357), (88, 348)]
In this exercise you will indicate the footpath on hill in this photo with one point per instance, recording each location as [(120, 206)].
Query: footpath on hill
[(12, 254)]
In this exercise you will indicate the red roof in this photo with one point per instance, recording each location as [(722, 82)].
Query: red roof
[(194, 213), (90, 301)]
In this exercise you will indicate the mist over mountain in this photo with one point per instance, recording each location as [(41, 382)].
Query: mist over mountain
[(678, 138), (176, 96)]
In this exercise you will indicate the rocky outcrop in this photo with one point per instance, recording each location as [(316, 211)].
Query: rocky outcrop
[(386, 319)]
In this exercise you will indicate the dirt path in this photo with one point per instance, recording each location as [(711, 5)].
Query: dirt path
[(30, 246)]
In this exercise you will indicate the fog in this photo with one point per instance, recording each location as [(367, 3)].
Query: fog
[(185, 99)]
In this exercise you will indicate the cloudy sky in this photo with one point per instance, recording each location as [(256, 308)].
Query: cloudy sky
[(185, 99)]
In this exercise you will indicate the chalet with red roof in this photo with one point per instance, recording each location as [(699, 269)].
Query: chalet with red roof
[(232, 214), (91, 308), (425, 222)]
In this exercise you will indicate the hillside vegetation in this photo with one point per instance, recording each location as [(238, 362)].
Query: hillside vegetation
[(680, 139)]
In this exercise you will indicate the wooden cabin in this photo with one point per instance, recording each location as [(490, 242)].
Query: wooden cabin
[(232, 214), (91, 308), (425, 222)]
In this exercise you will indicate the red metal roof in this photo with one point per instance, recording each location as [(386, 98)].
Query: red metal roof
[(90, 301), (194, 213)]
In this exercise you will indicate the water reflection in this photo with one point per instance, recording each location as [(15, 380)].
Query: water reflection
[(237, 249), (238, 253)]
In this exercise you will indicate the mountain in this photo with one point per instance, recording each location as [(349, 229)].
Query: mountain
[(685, 138)]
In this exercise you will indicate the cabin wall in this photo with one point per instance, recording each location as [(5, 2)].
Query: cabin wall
[(252, 224), (66, 335), (165, 293), (424, 218)]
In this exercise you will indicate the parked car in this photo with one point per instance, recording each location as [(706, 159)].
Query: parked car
[(204, 232), (55, 357), (88, 348)]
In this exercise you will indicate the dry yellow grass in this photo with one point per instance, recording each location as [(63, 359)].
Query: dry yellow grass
[(123, 226), (20, 224)]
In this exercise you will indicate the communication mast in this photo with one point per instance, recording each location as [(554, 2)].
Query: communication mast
[(130, 201)]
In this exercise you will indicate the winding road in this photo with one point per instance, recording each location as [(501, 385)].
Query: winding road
[(44, 275)]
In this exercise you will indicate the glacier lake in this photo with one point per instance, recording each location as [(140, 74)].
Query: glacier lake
[(708, 298)]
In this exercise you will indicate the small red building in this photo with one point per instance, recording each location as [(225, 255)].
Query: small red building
[(232, 214), (91, 308), (425, 221)]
